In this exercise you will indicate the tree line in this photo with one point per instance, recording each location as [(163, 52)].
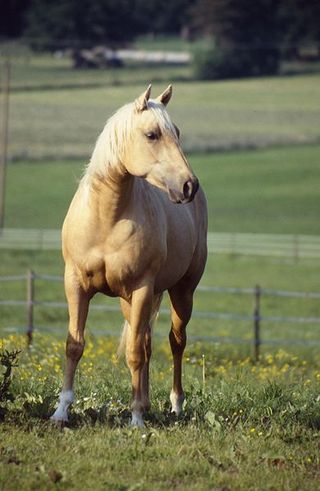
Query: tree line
[(248, 36)]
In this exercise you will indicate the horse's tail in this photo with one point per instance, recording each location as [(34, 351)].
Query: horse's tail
[(123, 340)]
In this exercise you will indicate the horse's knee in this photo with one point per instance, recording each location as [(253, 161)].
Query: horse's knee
[(136, 358), (74, 349), (148, 346)]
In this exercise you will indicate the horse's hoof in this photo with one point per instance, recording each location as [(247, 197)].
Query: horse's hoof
[(59, 417), (137, 421), (61, 413), (176, 403), (58, 423)]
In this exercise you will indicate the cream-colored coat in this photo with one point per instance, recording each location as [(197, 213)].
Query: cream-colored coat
[(135, 228)]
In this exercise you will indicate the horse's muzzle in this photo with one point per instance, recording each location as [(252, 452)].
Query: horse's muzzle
[(187, 192)]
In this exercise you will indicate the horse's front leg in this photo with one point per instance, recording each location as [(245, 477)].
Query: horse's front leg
[(78, 304), (126, 310), (138, 350)]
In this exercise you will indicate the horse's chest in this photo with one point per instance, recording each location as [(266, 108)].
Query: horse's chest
[(127, 265), (123, 261)]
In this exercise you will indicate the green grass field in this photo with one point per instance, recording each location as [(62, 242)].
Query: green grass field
[(65, 109), (247, 192), (244, 114), (266, 191), (250, 427), (246, 426)]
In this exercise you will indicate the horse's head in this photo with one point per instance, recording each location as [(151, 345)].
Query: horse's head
[(155, 152)]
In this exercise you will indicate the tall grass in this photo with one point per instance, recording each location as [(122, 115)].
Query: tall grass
[(250, 427)]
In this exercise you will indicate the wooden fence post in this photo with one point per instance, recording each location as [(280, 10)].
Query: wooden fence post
[(30, 305), (256, 323)]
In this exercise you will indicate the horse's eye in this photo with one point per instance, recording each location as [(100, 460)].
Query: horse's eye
[(151, 135)]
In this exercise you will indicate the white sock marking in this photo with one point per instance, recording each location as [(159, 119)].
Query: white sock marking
[(61, 413), (176, 402), (137, 420)]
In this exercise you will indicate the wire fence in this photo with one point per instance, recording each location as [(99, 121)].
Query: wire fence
[(290, 246), (255, 317)]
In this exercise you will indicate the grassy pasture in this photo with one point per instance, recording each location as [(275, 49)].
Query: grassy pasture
[(265, 191), (247, 191), (245, 426), (44, 72), (57, 113), (221, 271), (242, 272)]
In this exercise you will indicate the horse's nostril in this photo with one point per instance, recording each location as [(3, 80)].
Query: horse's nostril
[(190, 189), (187, 189)]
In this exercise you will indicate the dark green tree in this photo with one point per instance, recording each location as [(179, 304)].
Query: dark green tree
[(158, 17), (12, 17), (246, 35), (300, 23), (82, 23), (55, 23)]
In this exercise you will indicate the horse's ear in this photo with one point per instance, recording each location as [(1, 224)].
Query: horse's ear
[(142, 102), (165, 97)]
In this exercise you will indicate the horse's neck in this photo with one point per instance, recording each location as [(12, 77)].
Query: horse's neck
[(110, 196)]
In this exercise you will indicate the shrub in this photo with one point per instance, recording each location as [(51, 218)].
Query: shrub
[(233, 62), (8, 360)]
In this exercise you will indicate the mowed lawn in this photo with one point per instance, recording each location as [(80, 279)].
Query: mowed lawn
[(57, 113), (222, 115), (265, 191), (245, 426)]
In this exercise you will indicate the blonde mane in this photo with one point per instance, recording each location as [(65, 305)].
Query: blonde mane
[(115, 137)]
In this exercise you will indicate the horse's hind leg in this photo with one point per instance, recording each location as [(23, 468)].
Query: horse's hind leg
[(78, 303), (181, 309)]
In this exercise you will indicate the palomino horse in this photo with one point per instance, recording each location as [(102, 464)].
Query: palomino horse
[(135, 228)]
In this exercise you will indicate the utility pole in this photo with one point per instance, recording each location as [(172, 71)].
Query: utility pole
[(4, 126)]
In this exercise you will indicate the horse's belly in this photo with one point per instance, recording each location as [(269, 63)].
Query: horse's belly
[(124, 272), (173, 270)]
